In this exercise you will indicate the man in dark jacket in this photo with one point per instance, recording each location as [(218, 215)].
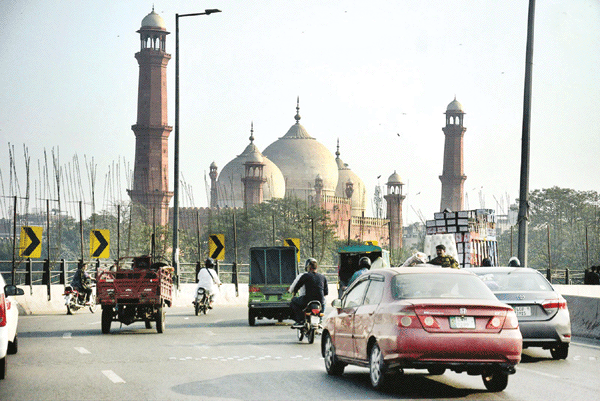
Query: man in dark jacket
[(315, 285)]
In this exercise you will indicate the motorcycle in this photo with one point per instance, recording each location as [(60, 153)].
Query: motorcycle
[(75, 300), (202, 301), (312, 322)]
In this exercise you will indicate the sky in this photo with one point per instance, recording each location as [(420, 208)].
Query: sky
[(376, 75)]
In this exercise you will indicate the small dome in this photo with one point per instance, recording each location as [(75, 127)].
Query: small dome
[(213, 165), (455, 106), (395, 179), (254, 157), (229, 183), (153, 20), (345, 177)]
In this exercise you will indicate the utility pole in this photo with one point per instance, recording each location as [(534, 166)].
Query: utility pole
[(524, 185)]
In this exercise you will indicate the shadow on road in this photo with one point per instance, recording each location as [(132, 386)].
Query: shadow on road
[(304, 384)]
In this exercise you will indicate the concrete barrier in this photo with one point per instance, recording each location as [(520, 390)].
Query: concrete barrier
[(583, 302)]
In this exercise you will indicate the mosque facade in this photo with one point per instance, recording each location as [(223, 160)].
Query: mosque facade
[(295, 165)]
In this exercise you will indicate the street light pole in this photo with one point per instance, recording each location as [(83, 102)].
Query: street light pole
[(175, 261)]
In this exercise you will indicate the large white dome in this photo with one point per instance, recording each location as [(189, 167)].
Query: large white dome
[(230, 188), (301, 158)]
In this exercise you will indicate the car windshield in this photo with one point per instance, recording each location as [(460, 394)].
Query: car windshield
[(426, 285), (515, 281)]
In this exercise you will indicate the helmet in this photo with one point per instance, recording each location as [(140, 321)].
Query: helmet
[(210, 262), (364, 262), (310, 261), (514, 262), (486, 262)]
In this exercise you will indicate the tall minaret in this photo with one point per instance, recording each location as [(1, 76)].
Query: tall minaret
[(453, 176), (213, 185), (253, 178), (394, 199), (150, 175)]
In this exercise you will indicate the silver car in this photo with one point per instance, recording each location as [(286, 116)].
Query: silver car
[(542, 312)]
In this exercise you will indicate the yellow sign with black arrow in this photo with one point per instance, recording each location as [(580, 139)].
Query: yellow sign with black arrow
[(31, 242), (216, 246), (100, 244), (295, 242)]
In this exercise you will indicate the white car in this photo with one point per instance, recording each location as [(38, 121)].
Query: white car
[(9, 317)]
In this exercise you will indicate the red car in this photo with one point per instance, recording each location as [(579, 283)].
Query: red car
[(422, 317)]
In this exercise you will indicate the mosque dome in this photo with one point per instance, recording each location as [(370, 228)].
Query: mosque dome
[(359, 196), (230, 187), (153, 20), (301, 158), (455, 106)]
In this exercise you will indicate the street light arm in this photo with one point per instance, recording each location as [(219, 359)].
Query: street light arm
[(206, 12)]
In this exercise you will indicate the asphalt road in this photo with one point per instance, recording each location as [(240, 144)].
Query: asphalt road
[(219, 357)]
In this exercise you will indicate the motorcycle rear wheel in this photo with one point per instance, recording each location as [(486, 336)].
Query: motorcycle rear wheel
[(310, 336)]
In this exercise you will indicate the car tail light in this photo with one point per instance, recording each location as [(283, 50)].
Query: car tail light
[(558, 303), (253, 289), (429, 322), (2, 311), (408, 319), (511, 321)]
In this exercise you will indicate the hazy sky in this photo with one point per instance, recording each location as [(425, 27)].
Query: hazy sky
[(378, 75)]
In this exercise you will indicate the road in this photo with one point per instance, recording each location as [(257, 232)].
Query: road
[(219, 357)]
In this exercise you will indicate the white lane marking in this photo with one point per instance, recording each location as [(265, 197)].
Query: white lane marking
[(67, 335), (538, 372), (112, 376), (82, 350)]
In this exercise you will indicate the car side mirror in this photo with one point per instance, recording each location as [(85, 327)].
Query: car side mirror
[(337, 303), (11, 290)]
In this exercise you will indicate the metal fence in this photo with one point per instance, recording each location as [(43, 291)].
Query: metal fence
[(42, 272)]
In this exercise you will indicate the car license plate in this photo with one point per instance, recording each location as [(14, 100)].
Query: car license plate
[(523, 310), (462, 322)]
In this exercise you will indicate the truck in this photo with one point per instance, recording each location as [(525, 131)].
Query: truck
[(135, 289), (469, 236), (272, 271)]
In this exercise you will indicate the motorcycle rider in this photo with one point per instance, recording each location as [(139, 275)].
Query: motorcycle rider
[(81, 282), (316, 290), (209, 280)]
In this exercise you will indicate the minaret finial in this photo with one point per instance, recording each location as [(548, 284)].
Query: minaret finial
[(252, 132), (297, 116), (337, 152)]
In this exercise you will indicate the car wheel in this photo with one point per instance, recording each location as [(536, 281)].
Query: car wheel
[(106, 319), (332, 365), (495, 381), (2, 368), (13, 346), (160, 320), (251, 317), (377, 368), (436, 371), (560, 352)]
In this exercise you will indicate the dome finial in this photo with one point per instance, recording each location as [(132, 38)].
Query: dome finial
[(251, 131), (337, 152), (297, 116)]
